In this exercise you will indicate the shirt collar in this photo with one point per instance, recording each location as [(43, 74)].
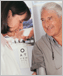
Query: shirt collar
[(53, 40)]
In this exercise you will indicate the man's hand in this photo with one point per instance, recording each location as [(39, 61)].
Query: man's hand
[(34, 73)]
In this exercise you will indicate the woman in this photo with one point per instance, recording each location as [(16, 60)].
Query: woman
[(13, 13)]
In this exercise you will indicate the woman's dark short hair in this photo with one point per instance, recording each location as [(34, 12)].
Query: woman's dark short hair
[(17, 7)]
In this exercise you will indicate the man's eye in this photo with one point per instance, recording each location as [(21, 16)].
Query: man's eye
[(42, 20), (50, 18)]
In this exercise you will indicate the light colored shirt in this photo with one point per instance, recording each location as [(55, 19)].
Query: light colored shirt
[(47, 53), (9, 64)]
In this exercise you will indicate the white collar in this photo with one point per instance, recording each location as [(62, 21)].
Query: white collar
[(3, 40)]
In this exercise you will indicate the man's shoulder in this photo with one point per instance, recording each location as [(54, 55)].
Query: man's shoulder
[(44, 37), (43, 41)]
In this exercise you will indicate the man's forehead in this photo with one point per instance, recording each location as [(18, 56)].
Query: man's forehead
[(48, 11), (45, 13)]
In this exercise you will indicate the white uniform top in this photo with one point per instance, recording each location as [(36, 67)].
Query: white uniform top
[(9, 65)]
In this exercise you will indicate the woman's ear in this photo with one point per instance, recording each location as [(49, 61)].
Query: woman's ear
[(9, 13)]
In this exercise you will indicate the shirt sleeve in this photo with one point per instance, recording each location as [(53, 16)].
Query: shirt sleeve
[(37, 58)]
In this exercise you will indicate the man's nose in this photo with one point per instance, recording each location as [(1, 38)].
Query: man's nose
[(47, 24)]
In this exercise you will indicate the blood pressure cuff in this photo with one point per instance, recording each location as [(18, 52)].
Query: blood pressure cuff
[(37, 58)]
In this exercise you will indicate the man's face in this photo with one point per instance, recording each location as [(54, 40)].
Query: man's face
[(51, 22)]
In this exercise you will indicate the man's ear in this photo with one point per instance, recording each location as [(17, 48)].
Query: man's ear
[(61, 19), (61, 16)]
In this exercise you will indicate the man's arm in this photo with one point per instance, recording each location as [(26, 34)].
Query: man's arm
[(38, 62)]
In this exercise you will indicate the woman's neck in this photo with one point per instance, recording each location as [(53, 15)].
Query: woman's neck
[(4, 34)]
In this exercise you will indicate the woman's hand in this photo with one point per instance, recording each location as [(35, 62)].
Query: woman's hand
[(20, 34)]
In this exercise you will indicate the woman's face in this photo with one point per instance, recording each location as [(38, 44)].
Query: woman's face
[(15, 22)]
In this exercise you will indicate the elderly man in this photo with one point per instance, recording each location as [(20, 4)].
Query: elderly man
[(47, 52)]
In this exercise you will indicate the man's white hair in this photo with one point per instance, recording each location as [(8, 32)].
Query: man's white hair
[(53, 6)]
